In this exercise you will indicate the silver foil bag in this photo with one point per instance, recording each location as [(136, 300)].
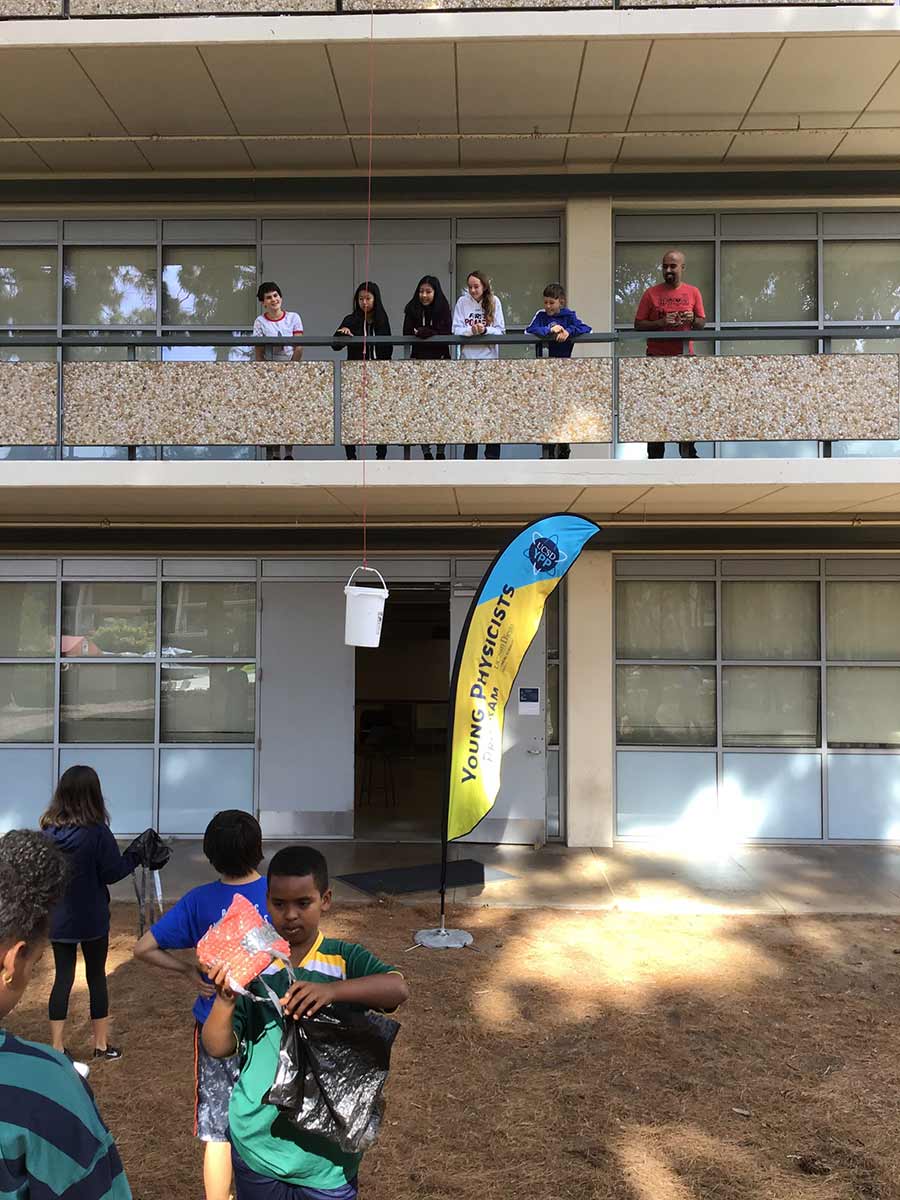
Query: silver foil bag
[(331, 1074)]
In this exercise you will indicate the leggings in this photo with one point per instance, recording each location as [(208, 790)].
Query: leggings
[(94, 953)]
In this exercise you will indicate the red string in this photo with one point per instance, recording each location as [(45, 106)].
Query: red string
[(365, 374)]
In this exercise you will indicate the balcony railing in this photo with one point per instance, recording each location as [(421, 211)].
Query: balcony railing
[(13, 9), (526, 401)]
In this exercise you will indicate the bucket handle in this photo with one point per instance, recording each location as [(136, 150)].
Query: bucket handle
[(372, 569)]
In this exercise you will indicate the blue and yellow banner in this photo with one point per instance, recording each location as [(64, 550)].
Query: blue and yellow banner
[(502, 622)]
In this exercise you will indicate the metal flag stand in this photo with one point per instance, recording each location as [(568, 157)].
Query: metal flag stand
[(443, 938)]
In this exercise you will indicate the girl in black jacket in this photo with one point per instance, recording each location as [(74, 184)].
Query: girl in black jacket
[(427, 314), (369, 318)]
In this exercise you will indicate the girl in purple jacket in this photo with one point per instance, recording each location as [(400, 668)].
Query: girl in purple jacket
[(77, 821)]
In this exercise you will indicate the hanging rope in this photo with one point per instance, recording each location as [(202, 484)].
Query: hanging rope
[(365, 359)]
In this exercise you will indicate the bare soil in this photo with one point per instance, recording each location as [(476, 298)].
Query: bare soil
[(573, 1056)]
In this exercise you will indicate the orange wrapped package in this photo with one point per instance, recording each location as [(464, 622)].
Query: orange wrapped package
[(244, 942)]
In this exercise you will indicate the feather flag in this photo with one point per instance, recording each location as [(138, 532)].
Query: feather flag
[(502, 622)]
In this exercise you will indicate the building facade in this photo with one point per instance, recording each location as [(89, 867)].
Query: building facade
[(723, 662)]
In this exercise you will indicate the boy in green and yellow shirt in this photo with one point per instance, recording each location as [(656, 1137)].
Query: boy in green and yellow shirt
[(273, 1159)]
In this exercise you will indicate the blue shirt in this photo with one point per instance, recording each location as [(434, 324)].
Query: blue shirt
[(53, 1142), (94, 861), (571, 323), (182, 927)]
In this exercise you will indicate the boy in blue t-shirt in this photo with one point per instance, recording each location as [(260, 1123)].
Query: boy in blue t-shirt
[(233, 845)]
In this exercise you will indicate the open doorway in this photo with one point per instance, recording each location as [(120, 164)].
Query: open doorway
[(401, 718)]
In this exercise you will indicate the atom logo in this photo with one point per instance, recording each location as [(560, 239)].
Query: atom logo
[(544, 554)]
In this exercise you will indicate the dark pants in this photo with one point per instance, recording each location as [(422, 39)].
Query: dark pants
[(250, 1186), (658, 450), (64, 954), (380, 451), (491, 450)]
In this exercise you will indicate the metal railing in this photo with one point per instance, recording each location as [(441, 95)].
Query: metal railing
[(615, 340)]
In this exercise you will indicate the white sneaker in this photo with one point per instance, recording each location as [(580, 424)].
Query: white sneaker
[(82, 1068)]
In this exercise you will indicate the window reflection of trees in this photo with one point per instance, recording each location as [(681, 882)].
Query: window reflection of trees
[(862, 281), (109, 287)]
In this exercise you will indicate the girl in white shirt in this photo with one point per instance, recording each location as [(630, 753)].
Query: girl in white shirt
[(274, 321), (478, 311)]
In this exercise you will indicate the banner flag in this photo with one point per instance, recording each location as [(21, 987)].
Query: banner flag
[(502, 622)]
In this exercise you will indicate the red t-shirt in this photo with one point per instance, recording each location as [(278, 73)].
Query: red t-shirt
[(659, 300)]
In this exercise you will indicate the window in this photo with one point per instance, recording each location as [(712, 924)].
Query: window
[(518, 275), (639, 266), (106, 702), (864, 707), (27, 620), (770, 619), (769, 281), (670, 619), (209, 620), (212, 285), (861, 281), (104, 618), (105, 285), (26, 702), (28, 285), (770, 706), (208, 703), (666, 706), (863, 620)]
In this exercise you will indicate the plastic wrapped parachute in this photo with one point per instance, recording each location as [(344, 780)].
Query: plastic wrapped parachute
[(244, 942), (331, 1073)]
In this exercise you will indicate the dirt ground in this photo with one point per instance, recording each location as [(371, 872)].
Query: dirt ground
[(574, 1056)]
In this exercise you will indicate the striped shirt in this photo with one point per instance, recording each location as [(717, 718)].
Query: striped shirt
[(53, 1143)]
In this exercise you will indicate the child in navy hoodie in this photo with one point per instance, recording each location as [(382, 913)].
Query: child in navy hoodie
[(77, 821), (560, 325)]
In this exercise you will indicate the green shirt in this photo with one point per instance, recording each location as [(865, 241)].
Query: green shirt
[(267, 1140)]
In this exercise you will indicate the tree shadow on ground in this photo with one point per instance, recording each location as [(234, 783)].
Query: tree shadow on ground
[(575, 1056)]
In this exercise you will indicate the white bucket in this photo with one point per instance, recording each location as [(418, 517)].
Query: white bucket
[(365, 611)]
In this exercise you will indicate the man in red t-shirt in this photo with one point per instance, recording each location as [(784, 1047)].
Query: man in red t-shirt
[(670, 305)]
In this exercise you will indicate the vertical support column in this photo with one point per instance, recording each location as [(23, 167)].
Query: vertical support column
[(589, 265), (590, 738), (589, 279)]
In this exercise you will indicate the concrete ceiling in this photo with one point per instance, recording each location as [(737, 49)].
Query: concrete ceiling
[(836, 491), (607, 103)]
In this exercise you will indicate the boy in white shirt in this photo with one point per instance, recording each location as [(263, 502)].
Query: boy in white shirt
[(274, 322)]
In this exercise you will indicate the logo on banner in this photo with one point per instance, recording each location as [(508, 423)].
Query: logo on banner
[(544, 554)]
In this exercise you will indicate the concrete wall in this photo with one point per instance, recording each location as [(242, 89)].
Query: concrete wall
[(590, 756)]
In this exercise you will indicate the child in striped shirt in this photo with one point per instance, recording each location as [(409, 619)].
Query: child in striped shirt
[(53, 1142)]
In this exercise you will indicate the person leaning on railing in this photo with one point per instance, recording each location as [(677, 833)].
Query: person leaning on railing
[(559, 325), (368, 319), (478, 311), (427, 314), (670, 306), (274, 322)]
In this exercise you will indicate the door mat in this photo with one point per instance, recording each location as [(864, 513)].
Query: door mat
[(396, 881)]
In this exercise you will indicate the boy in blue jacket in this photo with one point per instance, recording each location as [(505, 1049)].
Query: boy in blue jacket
[(560, 326), (233, 845)]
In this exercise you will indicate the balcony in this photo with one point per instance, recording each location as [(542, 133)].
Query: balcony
[(181, 8), (597, 402)]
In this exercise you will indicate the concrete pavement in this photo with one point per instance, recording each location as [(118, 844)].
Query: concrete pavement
[(753, 879)]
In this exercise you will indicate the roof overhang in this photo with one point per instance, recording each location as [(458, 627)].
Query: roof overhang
[(575, 90), (414, 496)]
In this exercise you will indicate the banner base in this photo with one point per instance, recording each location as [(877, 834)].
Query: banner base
[(444, 939)]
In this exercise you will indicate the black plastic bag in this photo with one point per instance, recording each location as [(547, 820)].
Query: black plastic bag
[(331, 1074), (152, 852)]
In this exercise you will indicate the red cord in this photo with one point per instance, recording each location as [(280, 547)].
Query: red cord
[(365, 376)]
